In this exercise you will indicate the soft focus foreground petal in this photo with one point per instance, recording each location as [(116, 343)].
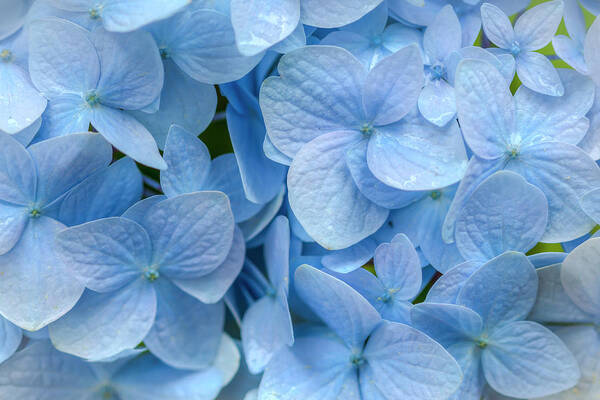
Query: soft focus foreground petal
[(580, 276)]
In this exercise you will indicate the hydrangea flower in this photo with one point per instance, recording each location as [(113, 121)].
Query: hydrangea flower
[(155, 274), (487, 332), (362, 358), (531, 134), (532, 31), (91, 77), (330, 115)]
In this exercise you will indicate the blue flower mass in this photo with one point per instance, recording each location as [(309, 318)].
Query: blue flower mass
[(299, 199)]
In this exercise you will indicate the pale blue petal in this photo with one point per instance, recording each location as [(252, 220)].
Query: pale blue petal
[(62, 57), (447, 324), (17, 174), (323, 195), (468, 356), (131, 69), (26, 135), (343, 309), (276, 251), (570, 52), (259, 24), (398, 267), (188, 163), (21, 104), (537, 73), (360, 46), (485, 107), (592, 55), (294, 40), (191, 234), (372, 23), (13, 17), (186, 332), (107, 193), (502, 290), (138, 211), (350, 258), (497, 26), (336, 13), (398, 76), (104, 324), (36, 290), (536, 27), (581, 277), (448, 286), (503, 213), (398, 375), (319, 91), (255, 225), (129, 15), (211, 287), (574, 20), (524, 359), (442, 36), (105, 254), (65, 114), (437, 102), (10, 339), (589, 203)]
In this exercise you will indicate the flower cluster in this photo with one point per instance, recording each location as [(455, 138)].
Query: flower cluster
[(361, 220)]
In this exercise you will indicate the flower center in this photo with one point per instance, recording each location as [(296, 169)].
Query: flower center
[(482, 343), (515, 48), (385, 297), (436, 194), (438, 71), (512, 152), (92, 98), (376, 41), (35, 213), (151, 273), (357, 360), (108, 393), (6, 55), (164, 52), (95, 12), (366, 128)]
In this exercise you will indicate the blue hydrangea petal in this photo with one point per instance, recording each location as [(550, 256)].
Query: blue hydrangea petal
[(320, 90), (581, 278), (537, 73), (260, 24), (294, 40), (567, 49), (497, 26), (277, 252), (536, 27), (104, 324), (397, 374), (127, 15), (107, 193), (191, 234), (525, 359), (372, 23), (350, 258), (335, 14), (255, 225), (592, 55), (437, 102), (553, 304), (324, 197), (415, 155), (468, 356), (339, 306), (447, 324), (33, 303), (211, 287), (398, 75), (128, 135), (485, 107), (448, 286), (13, 17), (132, 72), (589, 203), (64, 115), (25, 136), (62, 57), (105, 254), (442, 36), (574, 21), (360, 46), (13, 221), (186, 332), (398, 267), (138, 211), (397, 36), (503, 213), (10, 339), (21, 105), (496, 303), (18, 173), (317, 367)]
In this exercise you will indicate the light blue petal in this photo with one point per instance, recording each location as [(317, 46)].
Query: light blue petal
[(191, 234), (536, 27), (547, 118), (437, 102), (266, 328), (544, 259), (397, 374), (499, 304), (468, 356), (537, 73), (319, 91), (104, 324), (442, 36), (186, 332), (398, 267), (21, 104), (277, 252), (107, 193), (61, 57), (36, 288), (259, 24), (128, 15), (314, 13), (360, 46), (13, 17), (448, 324), (503, 213), (138, 211), (105, 254), (228, 360), (255, 225), (415, 155), (211, 287), (485, 107), (323, 195), (343, 309), (183, 101), (497, 26), (65, 114), (397, 36), (10, 339), (26, 135), (371, 24), (581, 277), (570, 52), (294, 40), (18, 172), (202, 44), (525, 359), (591, 46), (65, 161), (131, 69), (399, 75), (448, 286), (589, 203), (45, 374), (574, 20), (316, 368), (128, 135), (350, 258)]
